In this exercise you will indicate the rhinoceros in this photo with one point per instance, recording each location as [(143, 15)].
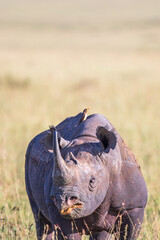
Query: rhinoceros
[(82, 179)]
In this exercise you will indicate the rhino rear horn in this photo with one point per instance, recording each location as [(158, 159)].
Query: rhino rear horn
[(107, 138)]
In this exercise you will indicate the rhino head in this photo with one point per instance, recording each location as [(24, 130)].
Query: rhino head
[(80, 174)]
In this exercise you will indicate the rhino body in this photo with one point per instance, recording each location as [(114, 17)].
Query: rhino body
[(82, 179)]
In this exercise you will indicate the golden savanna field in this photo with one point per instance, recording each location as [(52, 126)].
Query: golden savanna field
[(59, 57)]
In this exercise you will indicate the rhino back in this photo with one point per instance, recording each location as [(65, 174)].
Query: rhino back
[(71, 129)]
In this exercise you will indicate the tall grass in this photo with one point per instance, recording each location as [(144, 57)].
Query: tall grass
[(59, 58)]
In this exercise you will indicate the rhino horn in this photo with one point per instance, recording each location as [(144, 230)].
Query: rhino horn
[(61, 169)]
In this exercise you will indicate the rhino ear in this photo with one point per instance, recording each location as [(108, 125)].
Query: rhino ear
[(49, 142), (49, 138), (107, 138)]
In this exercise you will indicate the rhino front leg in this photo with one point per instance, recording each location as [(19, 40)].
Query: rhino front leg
[(74, 236), (43, 226), (100, 236), (130, 224), (37, 218), (58, 236), (50, 236), (54, 236)]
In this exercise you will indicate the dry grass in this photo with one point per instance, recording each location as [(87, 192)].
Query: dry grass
[(58, 57)]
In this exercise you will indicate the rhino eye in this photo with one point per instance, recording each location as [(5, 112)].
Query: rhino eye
[(92, 183)]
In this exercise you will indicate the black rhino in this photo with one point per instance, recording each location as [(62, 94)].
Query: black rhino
[(82, 179)]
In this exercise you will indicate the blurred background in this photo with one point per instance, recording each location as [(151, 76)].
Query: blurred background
[(59, 57)]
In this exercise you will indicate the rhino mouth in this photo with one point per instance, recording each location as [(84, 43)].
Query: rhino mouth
[(66, 211)]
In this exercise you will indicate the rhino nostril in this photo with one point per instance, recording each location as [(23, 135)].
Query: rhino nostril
[(72, 200)]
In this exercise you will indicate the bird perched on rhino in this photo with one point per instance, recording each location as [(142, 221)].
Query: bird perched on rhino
[(84, 115)]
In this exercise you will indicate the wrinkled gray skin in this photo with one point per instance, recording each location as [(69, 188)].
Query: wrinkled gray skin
[(90, 166)]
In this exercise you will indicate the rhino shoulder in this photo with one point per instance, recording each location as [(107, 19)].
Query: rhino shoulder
[(126, 153)]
